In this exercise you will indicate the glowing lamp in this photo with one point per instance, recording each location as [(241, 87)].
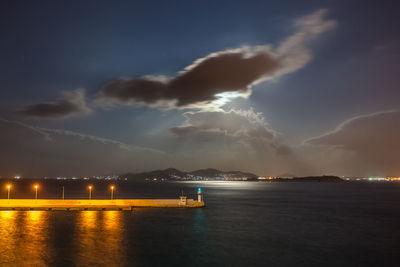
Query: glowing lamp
[(8, 191), (112, 192), (90, 192), (36, 189)]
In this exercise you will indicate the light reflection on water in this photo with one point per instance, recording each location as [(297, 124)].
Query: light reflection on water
[(25, 238), (35, 246), (99, 235), (7, 240)]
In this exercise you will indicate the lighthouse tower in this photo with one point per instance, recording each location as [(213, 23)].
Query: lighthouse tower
[(199, 195)]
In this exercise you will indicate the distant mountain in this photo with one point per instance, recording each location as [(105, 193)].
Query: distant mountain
[(242, 174), (212, 173), (206, 172), (324, 178), (286, 175), (169, 173), (174, 174)]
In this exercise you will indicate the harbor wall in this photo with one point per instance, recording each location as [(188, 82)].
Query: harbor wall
[(95, 204)]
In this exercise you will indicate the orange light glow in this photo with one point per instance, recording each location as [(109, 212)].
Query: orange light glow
[(392, 178), (90, 187), (8, 186), (36, 186), (112, 187)]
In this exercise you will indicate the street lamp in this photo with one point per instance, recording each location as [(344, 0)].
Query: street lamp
[(36, 189), (90, 192), (112, 192), (8, 189)]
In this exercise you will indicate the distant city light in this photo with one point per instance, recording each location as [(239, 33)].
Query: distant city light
[(393, 178), (266, 178)]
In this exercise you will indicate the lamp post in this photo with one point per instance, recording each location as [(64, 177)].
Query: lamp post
[(36, 189), (90, 192), (63, 193), (8, 189), (112, 192)]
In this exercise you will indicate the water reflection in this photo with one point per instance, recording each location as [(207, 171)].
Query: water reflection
[(112, 221), (99, 235), (35, 243), (30, 238), (7, 241), (24, 238)]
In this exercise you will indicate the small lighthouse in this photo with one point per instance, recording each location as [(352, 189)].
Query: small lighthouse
[(199, 195)]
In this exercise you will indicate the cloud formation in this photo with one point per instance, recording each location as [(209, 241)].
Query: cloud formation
[(199, 84), (214, 79), (70, 104), (372, 139), (238, 124), (35, 151), (240, 138)]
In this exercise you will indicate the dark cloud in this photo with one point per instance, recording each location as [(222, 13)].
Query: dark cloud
[(372, 139), (232, 71), (70, 104), (222, 73), (218, 73)]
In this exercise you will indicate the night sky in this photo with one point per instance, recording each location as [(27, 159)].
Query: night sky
[(272, 87)]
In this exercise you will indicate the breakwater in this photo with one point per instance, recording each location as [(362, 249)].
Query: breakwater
[(96, 204)]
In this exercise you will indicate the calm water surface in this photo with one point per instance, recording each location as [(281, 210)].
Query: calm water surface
[(244, 224)]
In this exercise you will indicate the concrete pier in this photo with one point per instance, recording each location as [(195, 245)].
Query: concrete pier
[(96, 204)]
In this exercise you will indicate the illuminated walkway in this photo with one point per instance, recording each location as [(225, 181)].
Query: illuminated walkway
[(96, 204)]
